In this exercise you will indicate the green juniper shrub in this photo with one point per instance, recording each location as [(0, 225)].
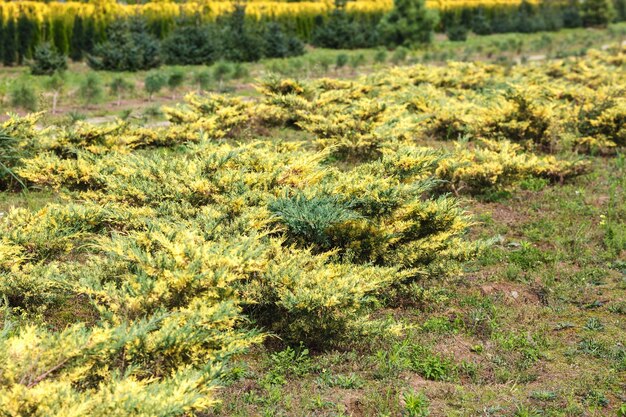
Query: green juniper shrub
[(129, 47), (409, 23), (47, 60), (309, 220), (12, 150)]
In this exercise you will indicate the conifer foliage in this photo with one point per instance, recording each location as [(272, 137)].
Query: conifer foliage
[(408, 23), (129, 47), (47, 60), (171, 249)]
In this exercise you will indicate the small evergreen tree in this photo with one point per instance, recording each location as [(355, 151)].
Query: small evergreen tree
[(118, 87), (381, 56), (526, 18), (342, 31), (59, 36), (175, 80), (620, 10), (129, 47), (280, 45), (480, 22), (399, 55), (23, 95), (10, 43), (408, 23), (1, 37), (190, 44), (571, 15), (202, 79), (47, 60), (457, 32), (56, 83), (598, 13), (240, 41), (341, 61), (551, 17), (89, 37), (221, 72), (91, 88), (77, 47), (153, 83), (25, 38)]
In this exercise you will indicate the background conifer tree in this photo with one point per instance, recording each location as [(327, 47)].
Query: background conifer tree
[(10, 43), (408, 23)]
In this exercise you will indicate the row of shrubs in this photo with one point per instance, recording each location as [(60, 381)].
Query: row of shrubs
[(409, 23), (130, 45), (139, 44), (92, 89)]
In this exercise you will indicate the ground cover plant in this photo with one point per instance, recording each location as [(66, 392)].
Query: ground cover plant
[(417, 240)]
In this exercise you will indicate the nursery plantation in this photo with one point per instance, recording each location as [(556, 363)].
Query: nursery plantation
[(249, 210)]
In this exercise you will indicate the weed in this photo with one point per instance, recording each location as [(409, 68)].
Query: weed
[(543, 395), (594, 324), (432, 366), (350, 381), (533, 184), (522, 410), (596, 398), (392, 360), (618, 308), (416, 404), (291, 362)]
